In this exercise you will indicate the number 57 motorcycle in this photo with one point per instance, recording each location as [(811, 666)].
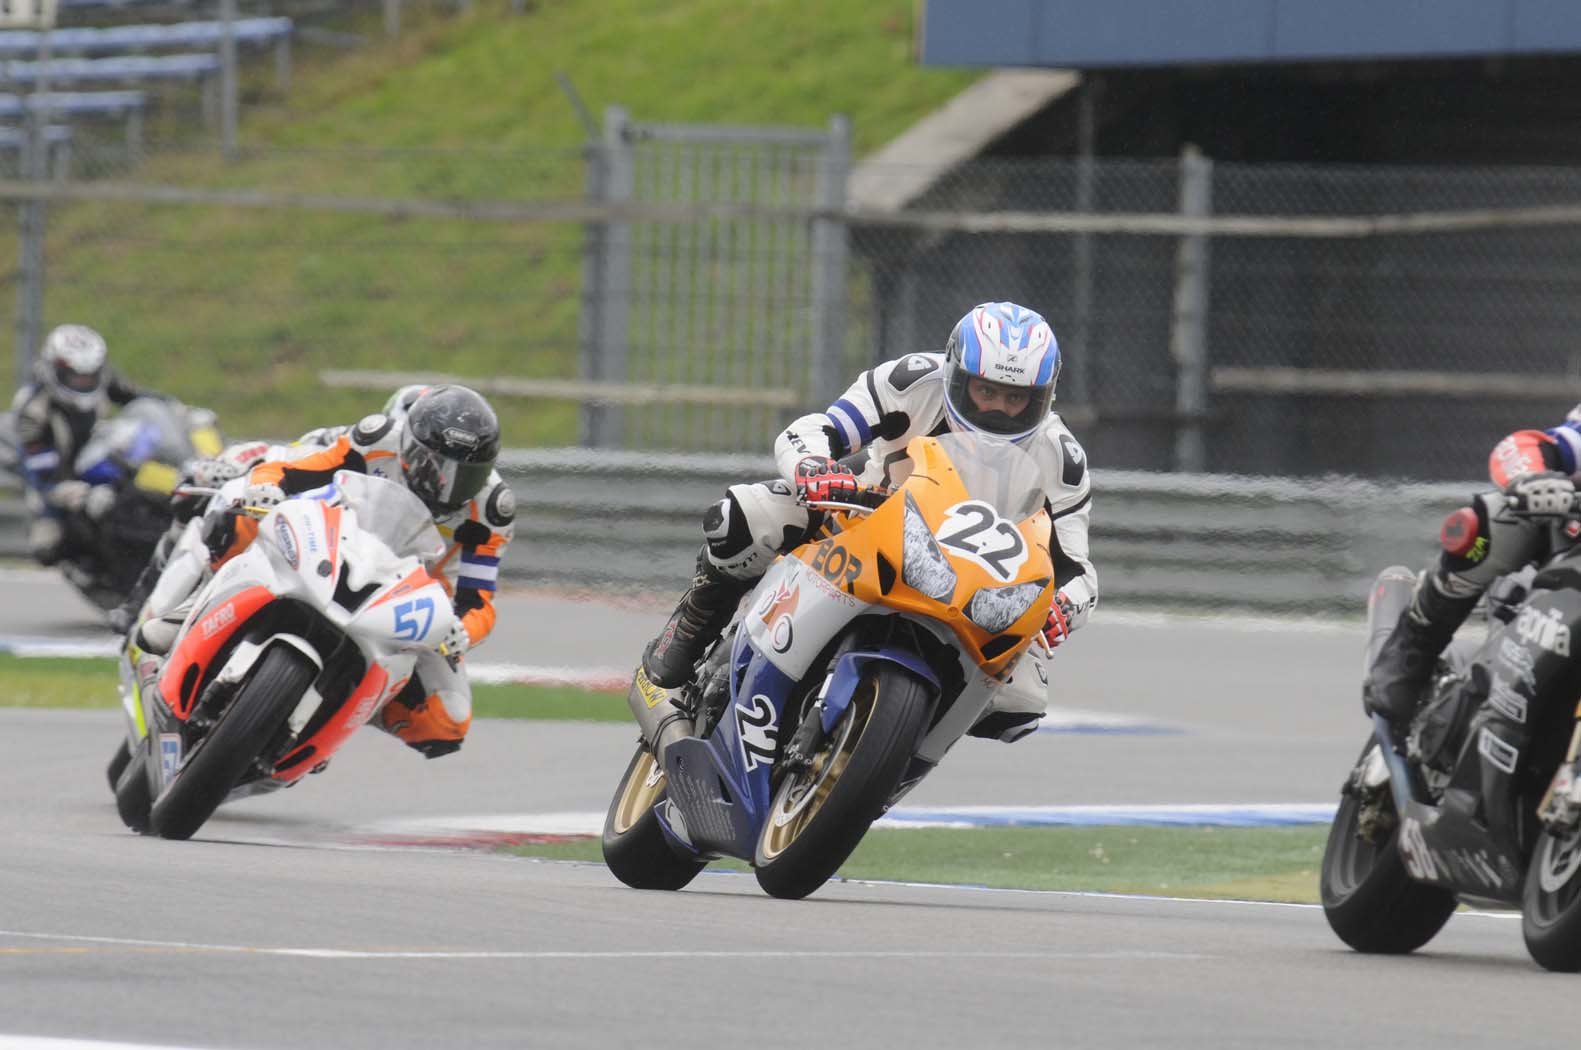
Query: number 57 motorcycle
[(855, 664), (1481, 802), (290, 648)]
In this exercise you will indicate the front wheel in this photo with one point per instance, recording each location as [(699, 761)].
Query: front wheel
[(118, 762), (1551, 902), (634, 845), (1369, 898), (262, 705), (820, 814)]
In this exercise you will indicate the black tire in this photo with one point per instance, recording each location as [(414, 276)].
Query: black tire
[(1551, 903), (1370, 900), (818, 817), (263, 703), (133, 796), (118, 762), (634, 845)]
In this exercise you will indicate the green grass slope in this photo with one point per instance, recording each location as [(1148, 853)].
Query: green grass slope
[(240, 309)]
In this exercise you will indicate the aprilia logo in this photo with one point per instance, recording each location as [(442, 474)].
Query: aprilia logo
[(1545, 629)]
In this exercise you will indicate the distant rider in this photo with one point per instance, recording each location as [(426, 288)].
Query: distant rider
[(1536, 471), (443, 449), (72, 388), (996, 376)]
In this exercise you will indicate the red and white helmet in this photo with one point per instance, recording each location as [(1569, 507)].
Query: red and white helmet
[(1004, 348), (72, 365)]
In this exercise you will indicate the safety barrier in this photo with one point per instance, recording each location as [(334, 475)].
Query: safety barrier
[(627, 523)]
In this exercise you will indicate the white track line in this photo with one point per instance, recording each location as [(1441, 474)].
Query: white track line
[(343, 953)]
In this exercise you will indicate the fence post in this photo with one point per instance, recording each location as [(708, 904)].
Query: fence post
[(30, 237), (228, 79), (1078, 352), (392, 18), (830, 248), (606, 307), (1188, 338)]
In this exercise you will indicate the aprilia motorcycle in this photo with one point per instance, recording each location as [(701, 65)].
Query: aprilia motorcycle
[(1481, 802), (856, 663), (291, 647)]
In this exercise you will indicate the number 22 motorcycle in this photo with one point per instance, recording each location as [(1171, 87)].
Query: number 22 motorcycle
[(289, 649), (856, 663), (1481, 800)]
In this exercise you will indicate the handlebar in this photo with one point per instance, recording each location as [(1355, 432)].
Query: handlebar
[(862, 501)]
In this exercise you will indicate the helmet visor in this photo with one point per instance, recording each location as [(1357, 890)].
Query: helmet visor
[(994, 408), (439, 481), (78, 382)]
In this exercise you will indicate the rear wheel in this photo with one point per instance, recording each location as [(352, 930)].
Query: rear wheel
[(1370, 900), (820, 814), (1551, 903), (634, 845), (265, 700)]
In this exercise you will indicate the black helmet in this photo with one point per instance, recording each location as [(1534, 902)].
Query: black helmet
[(451, 442)]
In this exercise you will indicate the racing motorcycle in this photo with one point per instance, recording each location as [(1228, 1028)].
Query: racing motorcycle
[(1480, 802), (135, 457), (858, 660), (289, 648)]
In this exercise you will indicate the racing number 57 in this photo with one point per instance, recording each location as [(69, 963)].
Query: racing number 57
[(406, 625)]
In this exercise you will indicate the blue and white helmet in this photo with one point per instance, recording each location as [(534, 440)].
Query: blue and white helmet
[(1007, 356)]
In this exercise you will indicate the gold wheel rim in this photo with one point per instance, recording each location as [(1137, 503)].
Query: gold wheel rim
[(801, 796), (644, 787)]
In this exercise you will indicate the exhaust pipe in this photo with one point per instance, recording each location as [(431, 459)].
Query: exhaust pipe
[(661, 722), (1389, 597)]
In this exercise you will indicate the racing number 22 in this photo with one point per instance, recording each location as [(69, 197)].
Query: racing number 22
[(1004, 557), (406, 625)]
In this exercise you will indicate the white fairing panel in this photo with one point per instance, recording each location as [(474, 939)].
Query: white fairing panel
[(794, 613)]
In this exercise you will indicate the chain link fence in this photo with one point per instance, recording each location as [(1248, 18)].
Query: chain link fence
[(703, 286)]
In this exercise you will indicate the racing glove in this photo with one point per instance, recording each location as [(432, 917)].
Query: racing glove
[(100, 500), (69, 496), (1546, 494), (264, 495), (1057, 628), (457, 642), (821, 478)]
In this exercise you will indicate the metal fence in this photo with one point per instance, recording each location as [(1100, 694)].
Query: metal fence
[(1220, 318)]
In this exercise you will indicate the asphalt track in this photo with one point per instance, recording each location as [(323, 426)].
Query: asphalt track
[(296, 921)]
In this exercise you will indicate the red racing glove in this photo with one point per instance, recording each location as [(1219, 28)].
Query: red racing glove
[(1057, 628), (820, 478)]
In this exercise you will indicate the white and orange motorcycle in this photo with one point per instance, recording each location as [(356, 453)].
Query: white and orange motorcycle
[(857, 662), (290, 648)]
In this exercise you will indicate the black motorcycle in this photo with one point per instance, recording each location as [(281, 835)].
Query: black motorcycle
[(136, 454), (1480, 803)]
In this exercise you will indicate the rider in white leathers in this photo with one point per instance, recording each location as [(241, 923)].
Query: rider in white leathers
[(996, 376)]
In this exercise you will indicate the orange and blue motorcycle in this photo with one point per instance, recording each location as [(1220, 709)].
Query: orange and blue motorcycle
[(856, 663)]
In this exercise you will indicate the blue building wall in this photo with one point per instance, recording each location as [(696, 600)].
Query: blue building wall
[(1108, 33)]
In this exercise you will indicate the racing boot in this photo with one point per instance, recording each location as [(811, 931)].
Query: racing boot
[(1399, 676), (703, 613), (158, 633)]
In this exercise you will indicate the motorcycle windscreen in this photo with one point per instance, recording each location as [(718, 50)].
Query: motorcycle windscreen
[(994, 471)]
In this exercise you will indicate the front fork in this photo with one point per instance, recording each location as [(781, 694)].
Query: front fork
[(1560, 810)]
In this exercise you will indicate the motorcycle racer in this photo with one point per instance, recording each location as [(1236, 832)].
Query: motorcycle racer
[(443, 450), (1497, 533), (73, 386), (996, 376)]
